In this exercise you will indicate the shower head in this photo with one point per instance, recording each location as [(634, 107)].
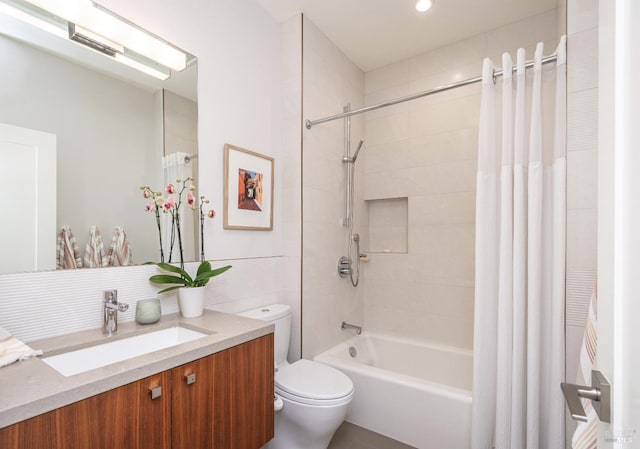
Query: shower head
[(355, 155)]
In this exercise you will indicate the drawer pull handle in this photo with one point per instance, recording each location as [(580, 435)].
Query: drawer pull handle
[(156, 392), (190, 378)]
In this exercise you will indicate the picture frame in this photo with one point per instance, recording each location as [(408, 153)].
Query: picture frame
[(248, 189)]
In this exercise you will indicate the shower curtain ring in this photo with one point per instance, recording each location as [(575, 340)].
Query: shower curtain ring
[(494, 76)]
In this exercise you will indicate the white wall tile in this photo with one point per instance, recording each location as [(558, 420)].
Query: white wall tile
[(582, 60), (443, 251), (582, 226), (457, 145), (390, 320), (582, 179), (444, 77), (383, 95), (582, 143), (582, 15), (427, 116), (443, 178), (582, 120), (428, 293), (388, 156), (451, 57), (392, 75), (42, 305), (387, 129), (443, 208), (524, 33), (331, 81)]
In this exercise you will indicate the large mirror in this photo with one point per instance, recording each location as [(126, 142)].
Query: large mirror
[(114, 126)]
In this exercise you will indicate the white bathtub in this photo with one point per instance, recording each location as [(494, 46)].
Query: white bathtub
[(413, 392)]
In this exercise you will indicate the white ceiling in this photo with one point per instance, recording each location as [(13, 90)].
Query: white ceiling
[(374, 33)]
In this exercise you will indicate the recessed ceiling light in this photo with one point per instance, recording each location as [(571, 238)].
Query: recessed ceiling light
[(424, 5)]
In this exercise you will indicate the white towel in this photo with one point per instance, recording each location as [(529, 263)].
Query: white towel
[(67, 248), (586, 434), (119, 250), (13, 350), (94, 251)]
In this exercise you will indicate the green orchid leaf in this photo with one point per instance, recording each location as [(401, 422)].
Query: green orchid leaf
[(174, 269), (183, 279), (168, 279), (170, 288), (205, 276), (204, 266)]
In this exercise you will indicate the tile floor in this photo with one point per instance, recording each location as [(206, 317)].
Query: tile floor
[(350, 436)]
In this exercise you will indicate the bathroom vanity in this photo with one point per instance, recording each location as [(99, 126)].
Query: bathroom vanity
[(216, 391)]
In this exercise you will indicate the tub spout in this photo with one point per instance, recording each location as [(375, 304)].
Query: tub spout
[(346, 325)]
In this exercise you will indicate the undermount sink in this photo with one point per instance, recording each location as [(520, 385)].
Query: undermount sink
[(86, 359)]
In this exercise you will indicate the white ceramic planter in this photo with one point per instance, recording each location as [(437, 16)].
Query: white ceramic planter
[(191, 301)]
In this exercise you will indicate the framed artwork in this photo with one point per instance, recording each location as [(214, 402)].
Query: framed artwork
[(248, 189)]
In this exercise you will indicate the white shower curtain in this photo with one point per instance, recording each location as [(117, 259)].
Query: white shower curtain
[(520, 257)]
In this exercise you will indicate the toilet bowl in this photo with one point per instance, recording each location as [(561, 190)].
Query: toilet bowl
[(314, 397)]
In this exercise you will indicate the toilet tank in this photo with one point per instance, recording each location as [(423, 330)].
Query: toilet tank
[(280, 316)]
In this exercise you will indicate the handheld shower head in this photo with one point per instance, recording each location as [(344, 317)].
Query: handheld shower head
[(355, 155)]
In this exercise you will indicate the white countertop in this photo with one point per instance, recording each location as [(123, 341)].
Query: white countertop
[(32, 387)]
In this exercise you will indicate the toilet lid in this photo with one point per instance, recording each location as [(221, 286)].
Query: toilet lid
[(313, 380)]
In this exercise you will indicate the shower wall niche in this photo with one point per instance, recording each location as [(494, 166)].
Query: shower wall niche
[(388, 225)]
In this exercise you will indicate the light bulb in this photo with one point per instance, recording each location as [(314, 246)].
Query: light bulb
[(424, 5)]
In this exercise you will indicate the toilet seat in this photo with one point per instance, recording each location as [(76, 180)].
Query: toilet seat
[(313, 383)]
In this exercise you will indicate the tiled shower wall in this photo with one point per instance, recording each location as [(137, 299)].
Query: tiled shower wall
[(426, 150), (330, 82), (582, 174)]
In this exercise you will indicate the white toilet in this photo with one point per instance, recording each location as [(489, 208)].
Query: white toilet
[(315, 396)]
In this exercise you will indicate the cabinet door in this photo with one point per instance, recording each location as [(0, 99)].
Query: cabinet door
[(124, 418), (243, 398), (192, 411), (34, 433), (229, 402)]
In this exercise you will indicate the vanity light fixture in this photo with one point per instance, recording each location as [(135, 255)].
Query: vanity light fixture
[(93, 40), (99, 29), (105, 23), (424, 5), (35, 17), (148, 67)]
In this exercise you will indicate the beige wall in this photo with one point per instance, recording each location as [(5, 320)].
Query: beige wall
[(330, 82), (426, 150)]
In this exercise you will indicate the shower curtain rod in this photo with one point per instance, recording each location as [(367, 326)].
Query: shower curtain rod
[(435, 90)]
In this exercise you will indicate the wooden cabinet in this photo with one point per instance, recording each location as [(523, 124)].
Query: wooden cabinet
[(34, 433), (126, 417), (221, 401), (228, 401)]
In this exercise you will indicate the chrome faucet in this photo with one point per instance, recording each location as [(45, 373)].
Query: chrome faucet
[(351, 326), (110, 312)]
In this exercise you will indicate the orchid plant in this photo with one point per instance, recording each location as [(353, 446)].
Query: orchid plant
[(171, 204)]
